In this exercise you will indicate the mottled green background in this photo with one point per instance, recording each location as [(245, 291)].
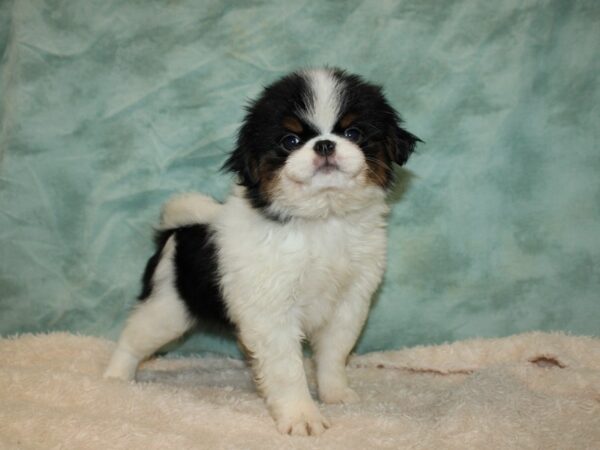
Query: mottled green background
[(109, 107)]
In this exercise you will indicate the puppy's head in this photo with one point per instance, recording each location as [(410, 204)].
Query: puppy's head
[(318, 142)]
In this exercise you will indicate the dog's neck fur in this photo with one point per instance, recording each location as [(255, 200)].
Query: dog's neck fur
[(350, 205)]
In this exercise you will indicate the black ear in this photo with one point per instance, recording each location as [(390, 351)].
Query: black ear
[(243, 163), (404, 145)]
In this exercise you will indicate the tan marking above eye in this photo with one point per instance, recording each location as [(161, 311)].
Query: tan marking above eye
[(347, 120), (292, 124)]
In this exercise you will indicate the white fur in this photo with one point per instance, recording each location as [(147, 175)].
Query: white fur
[(156, 321), (188, 208), (302, 165), (325, 101), (302, 190), (309, 278)]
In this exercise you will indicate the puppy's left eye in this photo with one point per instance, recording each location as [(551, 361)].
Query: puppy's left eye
[(353, 134), (290, 142)]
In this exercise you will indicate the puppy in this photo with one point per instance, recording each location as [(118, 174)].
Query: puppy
[(294, 254)]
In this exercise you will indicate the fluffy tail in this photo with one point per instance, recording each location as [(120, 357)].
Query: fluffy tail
[(188, 209)]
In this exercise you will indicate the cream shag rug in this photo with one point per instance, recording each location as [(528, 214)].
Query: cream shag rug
[(531, 391)]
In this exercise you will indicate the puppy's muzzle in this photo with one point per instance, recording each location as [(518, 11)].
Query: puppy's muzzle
[(324, 148)]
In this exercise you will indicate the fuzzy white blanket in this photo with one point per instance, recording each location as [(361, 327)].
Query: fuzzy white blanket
[(531, 391)]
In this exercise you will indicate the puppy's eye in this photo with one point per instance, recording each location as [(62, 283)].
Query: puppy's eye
[(290, 142), (353, 134)]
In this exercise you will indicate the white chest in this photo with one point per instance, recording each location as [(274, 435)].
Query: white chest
[(304, 268)]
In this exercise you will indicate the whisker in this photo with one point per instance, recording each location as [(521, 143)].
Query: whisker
[(372, 144), (380, 179), (377, 177), (378, 162)]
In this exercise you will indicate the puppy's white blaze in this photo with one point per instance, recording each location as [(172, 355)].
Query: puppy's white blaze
[(325, 102), (187, 209)]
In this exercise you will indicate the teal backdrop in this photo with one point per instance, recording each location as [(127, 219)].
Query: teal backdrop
[(109, 107)]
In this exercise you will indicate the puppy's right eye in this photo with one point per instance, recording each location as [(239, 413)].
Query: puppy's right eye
[(290, 142)]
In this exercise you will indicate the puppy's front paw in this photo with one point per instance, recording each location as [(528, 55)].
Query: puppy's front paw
[(339, 395), (305, 421)]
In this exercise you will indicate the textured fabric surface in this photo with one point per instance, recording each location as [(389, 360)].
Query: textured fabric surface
[(109, 107), (532, 391)]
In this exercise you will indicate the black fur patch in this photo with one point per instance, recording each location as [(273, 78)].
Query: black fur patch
[(160, 239), (196, 272), (384, 141), (258, 153)]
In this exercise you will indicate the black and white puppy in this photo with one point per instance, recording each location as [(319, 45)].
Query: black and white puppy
[(297, 250)]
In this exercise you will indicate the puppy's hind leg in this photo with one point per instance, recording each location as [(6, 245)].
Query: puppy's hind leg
[(156, 321)]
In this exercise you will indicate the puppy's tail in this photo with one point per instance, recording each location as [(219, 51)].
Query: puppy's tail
[(188, 209)]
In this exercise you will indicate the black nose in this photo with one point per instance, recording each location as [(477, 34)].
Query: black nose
[(324, 148)]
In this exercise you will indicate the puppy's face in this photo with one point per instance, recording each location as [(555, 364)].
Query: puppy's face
[(318, 142)]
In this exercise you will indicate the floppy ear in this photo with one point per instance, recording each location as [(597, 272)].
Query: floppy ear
[(243, 161), (403, 145)]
